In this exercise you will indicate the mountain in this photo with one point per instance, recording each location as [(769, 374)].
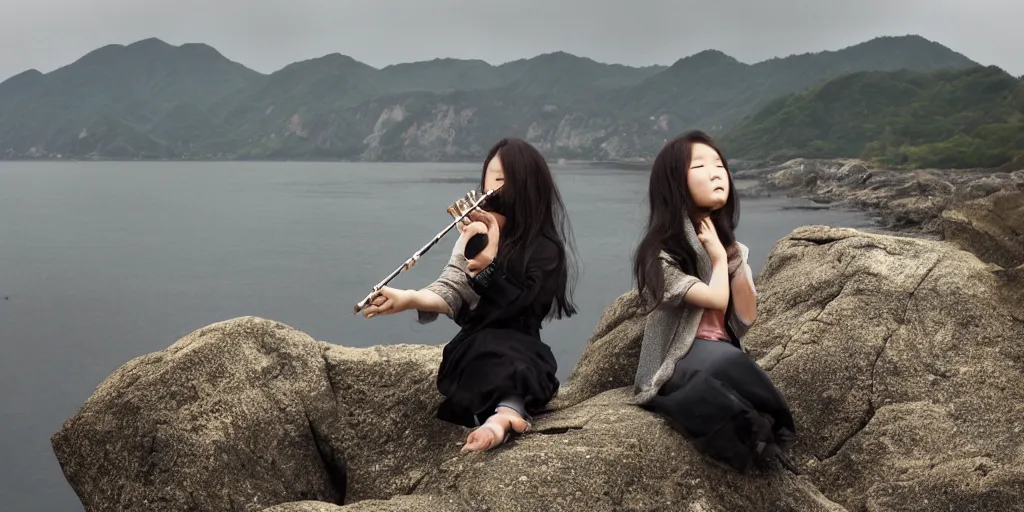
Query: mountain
[(154, 100), (549, 73), (713, 91), (118, 101), (442, 75), (951, 118), (708, 90)]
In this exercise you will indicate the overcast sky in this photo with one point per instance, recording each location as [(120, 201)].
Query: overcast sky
[(268, 34)]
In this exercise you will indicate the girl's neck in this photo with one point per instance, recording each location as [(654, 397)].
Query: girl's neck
[(696, 219), (700, 214)]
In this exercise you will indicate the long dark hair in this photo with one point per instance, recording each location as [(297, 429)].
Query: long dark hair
[(532, 207), (671, 205)]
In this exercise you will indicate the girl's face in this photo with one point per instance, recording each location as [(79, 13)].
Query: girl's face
[(494, 176), (707, 178)]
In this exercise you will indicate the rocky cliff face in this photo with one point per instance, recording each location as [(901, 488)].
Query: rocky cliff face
[(901, 359)]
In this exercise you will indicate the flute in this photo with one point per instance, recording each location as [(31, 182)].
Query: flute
[(459, 210)]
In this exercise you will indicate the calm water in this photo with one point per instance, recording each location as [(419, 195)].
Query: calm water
[(103, 262)]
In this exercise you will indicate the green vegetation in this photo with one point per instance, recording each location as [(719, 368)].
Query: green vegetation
[(949, 118), (152, 100)]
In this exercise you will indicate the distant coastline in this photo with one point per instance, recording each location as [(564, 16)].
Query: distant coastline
[(150, 101)]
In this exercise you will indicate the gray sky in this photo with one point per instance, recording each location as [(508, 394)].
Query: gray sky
[(268, 34)]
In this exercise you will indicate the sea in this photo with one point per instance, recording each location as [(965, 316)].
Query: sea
[(101, 262)]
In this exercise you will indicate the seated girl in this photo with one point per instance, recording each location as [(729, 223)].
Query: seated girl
[(497, 372), (694, 276)]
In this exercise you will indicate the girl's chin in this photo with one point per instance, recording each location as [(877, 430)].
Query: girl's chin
[(707, 210)]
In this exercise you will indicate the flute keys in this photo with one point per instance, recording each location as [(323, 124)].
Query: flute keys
[(463, 205)]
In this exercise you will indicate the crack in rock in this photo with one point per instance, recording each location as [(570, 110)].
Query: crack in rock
[(785, 345), (817, 241), (872, 409), (337, 475), (558, 430), (416, 482), (327, 372)]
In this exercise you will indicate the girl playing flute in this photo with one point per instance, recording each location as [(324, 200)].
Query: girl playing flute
[(496, 372)]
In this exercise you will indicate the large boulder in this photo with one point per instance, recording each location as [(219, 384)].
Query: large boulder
[(250, 414), (903, 361), (231, 415), (247, 413)]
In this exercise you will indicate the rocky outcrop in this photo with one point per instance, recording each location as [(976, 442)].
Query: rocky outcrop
[(248, 414), (229, 415), (991, 227), (900, 357), (902, 361), (980, 210)]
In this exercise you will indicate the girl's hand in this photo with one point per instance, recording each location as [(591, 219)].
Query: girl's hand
[(468, 231), (709, 238), (388, 301), (483, 222)]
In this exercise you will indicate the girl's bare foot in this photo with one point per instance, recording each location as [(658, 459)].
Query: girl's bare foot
[(495, 430)]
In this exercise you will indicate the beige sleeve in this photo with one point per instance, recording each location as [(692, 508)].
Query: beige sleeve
[(677, 283), (453, 286)]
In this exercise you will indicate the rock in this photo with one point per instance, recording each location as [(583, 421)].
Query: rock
[(250, 414), (854, 170), (900, 357), (977, 209), (991, 227), (228, 417), (798, 173), (602, 455), (984, 187), (902, 361), (610, 358), (404, 503)]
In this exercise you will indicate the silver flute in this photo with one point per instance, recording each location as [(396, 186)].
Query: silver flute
[(458, 210)]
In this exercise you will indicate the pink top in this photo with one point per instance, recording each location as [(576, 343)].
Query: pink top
[(712, 325)]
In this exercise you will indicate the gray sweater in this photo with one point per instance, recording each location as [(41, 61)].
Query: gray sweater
[(453, 286), (671, 328)]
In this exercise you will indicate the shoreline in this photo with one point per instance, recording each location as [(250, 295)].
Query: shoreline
[(981, 210)]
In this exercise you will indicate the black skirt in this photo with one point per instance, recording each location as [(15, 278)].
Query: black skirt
[(485, 366), (727, 405)]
